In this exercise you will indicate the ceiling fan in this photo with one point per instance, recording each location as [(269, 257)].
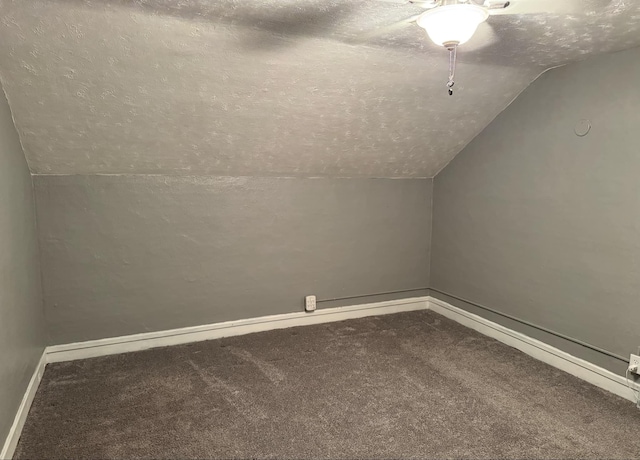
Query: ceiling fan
[(451, 23)]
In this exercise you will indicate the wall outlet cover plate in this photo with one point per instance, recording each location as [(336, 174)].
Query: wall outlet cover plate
[(635, 361), (310, 303)]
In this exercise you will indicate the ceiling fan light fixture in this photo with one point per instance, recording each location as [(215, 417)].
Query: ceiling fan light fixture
[(452, 24)]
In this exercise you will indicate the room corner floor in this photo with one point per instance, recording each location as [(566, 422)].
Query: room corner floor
[(387, 386)]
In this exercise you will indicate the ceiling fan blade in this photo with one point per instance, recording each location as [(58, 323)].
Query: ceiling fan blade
[(426, 4), (563, 7), (394, 2)]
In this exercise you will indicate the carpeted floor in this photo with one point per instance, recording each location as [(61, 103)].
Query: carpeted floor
[(405, 385)]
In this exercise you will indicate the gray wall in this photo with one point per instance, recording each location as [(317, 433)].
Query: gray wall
[(538, 223), (22, 336), (128, 254)]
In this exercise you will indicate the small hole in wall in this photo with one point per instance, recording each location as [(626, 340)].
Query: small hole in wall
[(582, 127)]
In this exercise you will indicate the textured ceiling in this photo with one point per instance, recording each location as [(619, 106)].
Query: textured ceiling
[(270, 87)]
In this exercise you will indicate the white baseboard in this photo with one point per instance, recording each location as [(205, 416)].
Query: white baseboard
[(147, 340), (586, 371), (580, 368), (21, 416), (144, 341)]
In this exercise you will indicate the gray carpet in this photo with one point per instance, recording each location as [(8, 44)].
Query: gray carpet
[(405, 385)]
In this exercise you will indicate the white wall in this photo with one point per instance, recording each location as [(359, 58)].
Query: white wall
[(22, 336)]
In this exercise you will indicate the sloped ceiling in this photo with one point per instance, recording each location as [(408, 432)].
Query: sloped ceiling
[(270, 87)]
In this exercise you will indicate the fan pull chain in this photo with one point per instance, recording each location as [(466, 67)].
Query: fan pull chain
[(453, 51)]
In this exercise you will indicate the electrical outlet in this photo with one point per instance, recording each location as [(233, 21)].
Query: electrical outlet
[(310, 303), (634, 362)]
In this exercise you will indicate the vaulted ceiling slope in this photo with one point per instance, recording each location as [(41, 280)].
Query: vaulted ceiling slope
[(270, 87)]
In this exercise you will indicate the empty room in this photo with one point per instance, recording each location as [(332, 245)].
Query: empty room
[(319, 229)]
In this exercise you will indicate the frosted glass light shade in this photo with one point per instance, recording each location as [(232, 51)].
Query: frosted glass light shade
[(452, 23)]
